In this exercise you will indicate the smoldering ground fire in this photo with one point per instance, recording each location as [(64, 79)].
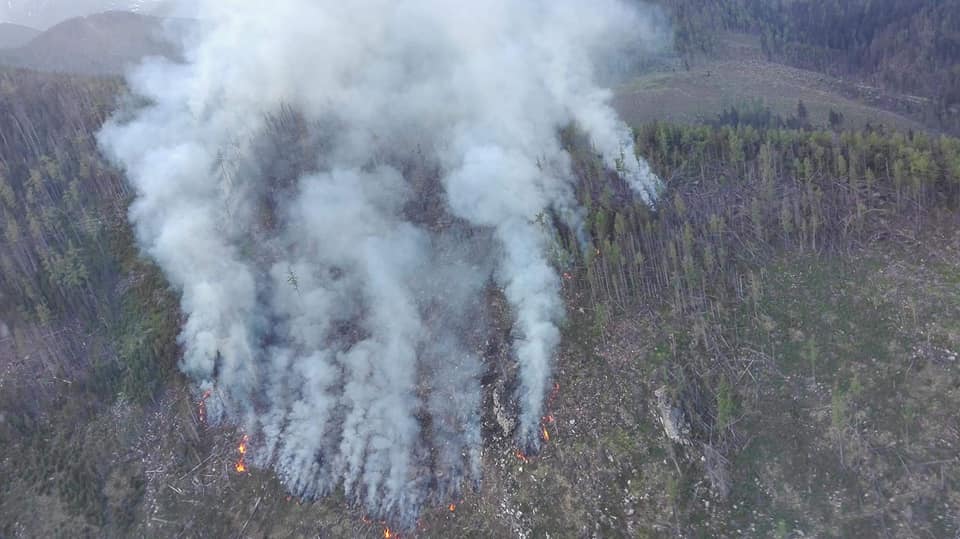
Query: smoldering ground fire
[(332, 187)]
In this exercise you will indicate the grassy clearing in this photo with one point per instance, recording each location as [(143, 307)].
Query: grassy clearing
[(742, 74)]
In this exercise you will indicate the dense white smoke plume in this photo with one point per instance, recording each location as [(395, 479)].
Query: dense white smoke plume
[(334, 280)]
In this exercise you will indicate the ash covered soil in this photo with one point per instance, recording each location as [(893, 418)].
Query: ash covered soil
[(840, 422)]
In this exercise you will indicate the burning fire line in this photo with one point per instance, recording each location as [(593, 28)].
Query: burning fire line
[(387, 532), (547, 420), (391, 534), (202, 406), (241, 465), (553, 394)]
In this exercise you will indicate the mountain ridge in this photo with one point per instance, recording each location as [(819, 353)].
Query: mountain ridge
[(14, 35), (106, 43)]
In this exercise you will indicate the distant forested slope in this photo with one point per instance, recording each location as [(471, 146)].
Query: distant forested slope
[(910, 46)]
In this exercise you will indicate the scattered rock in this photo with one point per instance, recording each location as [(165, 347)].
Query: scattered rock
[(675, 425)]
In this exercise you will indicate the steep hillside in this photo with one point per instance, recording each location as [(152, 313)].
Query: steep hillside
[(772, 352), (15, 35), (769, 349)]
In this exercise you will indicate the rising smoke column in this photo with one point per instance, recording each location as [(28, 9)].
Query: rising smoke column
[(330, 293)]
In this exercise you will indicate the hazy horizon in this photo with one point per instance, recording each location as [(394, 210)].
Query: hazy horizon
[(42, 14)]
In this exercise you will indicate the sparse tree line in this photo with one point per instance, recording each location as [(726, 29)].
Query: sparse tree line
[(736, 199), (734, 195)]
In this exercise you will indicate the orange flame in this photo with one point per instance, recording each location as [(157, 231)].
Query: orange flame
[(387, 534), (242, 448), (241, 465), (452, 507), (546, 434), (521, 456)]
